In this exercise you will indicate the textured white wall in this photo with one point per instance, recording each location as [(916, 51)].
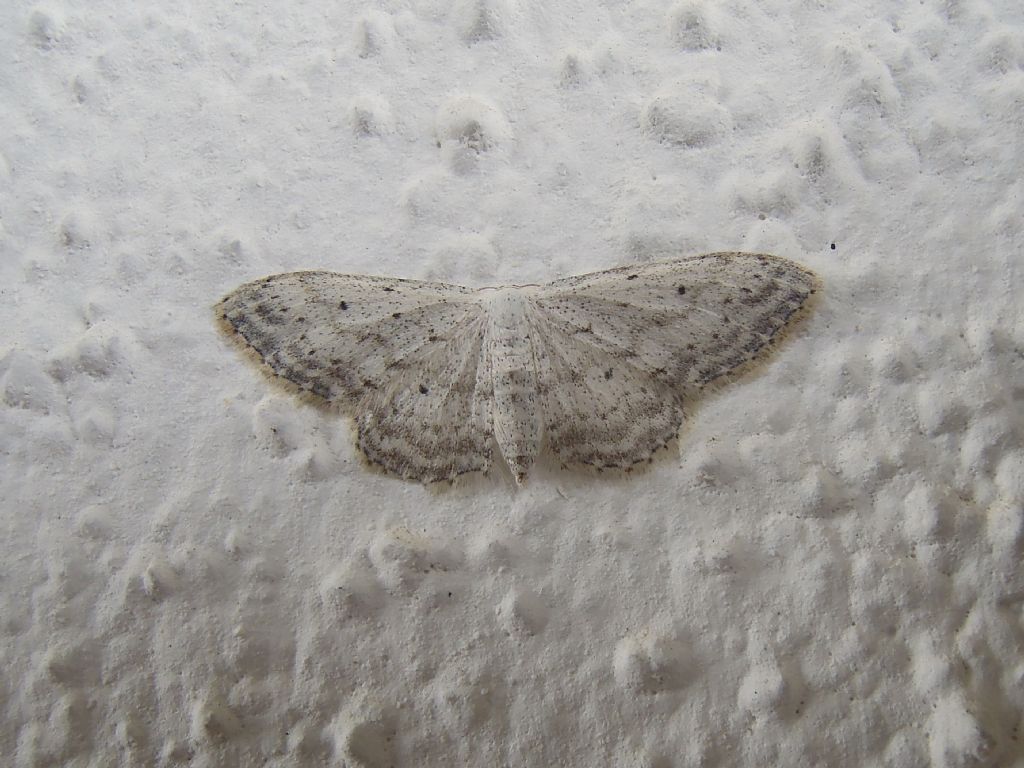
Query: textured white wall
[(197, 570)]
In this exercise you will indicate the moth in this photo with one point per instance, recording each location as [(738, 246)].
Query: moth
[(597, 369)]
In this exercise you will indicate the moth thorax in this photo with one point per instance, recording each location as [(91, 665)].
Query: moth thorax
[(509, 331), (507, 308)]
